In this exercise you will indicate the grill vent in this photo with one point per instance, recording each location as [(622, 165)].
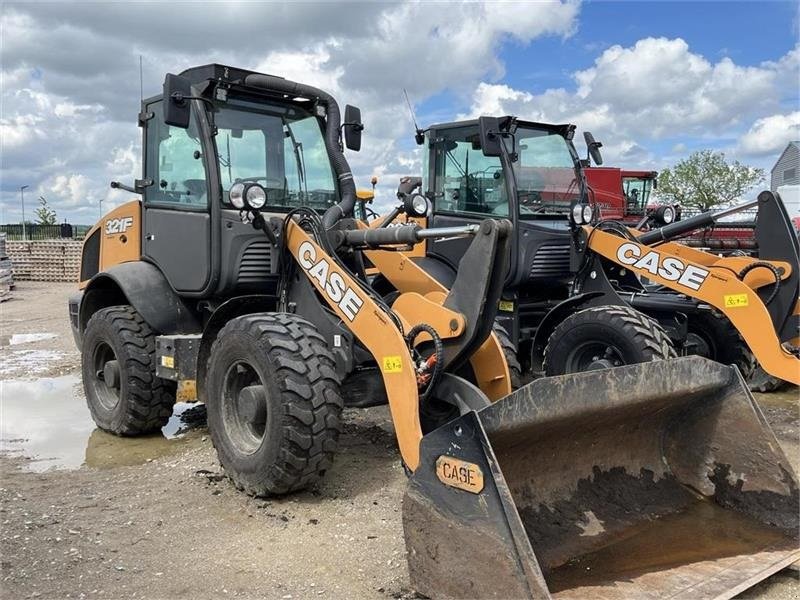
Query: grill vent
[(256, 263), (550, 261)]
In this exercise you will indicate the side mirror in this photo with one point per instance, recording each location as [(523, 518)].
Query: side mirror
[(352, 128), (593, 147), (655, 180), (489, 134), (177, 110)]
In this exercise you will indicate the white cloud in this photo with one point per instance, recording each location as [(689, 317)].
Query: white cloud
[(771, 134), (68, 116), (655, 89)]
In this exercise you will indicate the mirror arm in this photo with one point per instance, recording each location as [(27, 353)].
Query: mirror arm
[(139, 186)]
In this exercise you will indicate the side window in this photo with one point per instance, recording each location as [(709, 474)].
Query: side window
[(466, 180), (174, 163)]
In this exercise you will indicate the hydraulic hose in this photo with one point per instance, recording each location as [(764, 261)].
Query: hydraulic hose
[(347, 185)]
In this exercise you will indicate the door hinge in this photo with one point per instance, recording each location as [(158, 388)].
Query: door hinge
[(140, 184), (144, 117)]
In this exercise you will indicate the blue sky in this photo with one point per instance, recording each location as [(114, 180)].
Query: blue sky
[(653, 80)]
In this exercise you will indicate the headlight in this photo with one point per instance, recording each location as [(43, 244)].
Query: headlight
[(236, 195), (255, 197), (416, 205), (582, 214)]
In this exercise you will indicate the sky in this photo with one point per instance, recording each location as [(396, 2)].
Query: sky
[(654, 81)]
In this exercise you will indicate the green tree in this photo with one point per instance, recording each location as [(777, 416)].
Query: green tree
[(44, 214), (705, 180)]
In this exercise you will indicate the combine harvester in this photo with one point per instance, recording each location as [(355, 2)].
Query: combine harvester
[(241, 273)]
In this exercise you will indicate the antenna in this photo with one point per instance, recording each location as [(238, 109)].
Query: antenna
[(419, 134), (141, 80)]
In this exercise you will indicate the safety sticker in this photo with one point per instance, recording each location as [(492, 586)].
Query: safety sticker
[(459, 474), (506, 306), (736, 300), (392, 364), (168, 361)]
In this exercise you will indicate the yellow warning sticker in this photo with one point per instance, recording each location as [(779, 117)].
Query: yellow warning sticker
[(506, 305), (459, 474), (392, 364), (168, 361), (736, 300)]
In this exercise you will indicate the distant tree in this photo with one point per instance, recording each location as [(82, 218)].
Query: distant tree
[(705, 180), (44, 214)]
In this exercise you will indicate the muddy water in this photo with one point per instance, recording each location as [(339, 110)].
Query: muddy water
[(47, 420), (702, 532)]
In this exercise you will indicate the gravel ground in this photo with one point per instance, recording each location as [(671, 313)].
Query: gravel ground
[(155, 518)]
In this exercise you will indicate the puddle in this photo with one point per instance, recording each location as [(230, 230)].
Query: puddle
[(25, 338), (48, 421), (28, 362)]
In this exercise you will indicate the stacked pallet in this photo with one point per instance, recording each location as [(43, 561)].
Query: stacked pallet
[(6, 273), (47, 260)]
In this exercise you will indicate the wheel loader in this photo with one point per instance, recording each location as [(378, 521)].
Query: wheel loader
[(574, 297), (241, 272)]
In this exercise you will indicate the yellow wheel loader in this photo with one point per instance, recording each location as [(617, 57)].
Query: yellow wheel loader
[(241, 272), (584, 293)]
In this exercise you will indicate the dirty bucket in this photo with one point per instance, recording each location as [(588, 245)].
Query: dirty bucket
[(659, 480)]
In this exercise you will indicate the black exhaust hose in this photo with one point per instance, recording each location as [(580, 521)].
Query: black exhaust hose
[(347, 185)]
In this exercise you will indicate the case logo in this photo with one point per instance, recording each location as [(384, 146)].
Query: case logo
[(120, 225), (669, 268), (330, 281), (459, 474)]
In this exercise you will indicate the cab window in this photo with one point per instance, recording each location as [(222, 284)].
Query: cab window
[(466, 181), (175, 164)]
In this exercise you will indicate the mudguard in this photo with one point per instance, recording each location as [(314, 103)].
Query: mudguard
[(144, 287)]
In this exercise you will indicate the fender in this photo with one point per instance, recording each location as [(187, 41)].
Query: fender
[(144, 287), (557, 314)]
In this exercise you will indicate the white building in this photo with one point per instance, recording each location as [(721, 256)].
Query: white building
[(787, 170)]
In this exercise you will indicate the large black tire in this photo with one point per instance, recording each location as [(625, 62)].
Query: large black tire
[(604, 337), (714, 336), (118, 367), (761, 381), (510, 352), (273, 403)]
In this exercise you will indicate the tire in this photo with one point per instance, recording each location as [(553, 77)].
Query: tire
[(761, 381), (714, 336), (273, 403), (604, 337), (118, 368), (510, 352)]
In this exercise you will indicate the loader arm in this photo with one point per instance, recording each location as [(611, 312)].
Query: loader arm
[(712, 280), (380, 334)]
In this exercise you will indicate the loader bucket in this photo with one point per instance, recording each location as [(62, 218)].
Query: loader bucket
[(659, 480)]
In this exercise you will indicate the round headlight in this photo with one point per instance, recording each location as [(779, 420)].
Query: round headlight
[(587, 213), (577, 214), (255, 197), (668, 214), (416, 205), (236, 195), (419, 205)]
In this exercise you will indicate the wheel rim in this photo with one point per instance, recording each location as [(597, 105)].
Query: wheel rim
[(595, 355), (106, 381), (700, 345), (244, 407)]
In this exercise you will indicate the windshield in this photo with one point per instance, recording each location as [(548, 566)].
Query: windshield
[(547, 179), (637, 194), (465, 181), (278, 147)]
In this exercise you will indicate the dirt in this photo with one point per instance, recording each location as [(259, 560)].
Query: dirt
[(88, 515)]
